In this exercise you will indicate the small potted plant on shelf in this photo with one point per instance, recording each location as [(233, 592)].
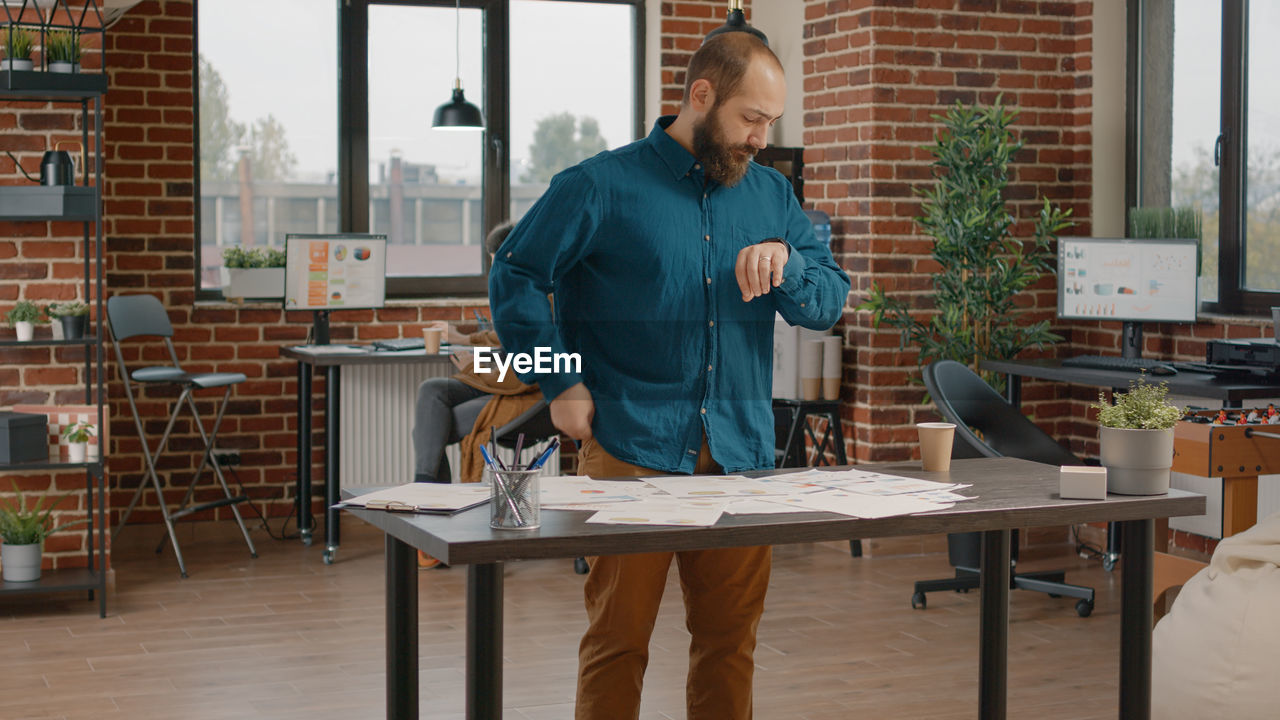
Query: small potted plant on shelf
[(17, 49), (252, 273), (22, 534), (1136, 438), (72, 316), (77, 435), (62, 51), (23, 317)]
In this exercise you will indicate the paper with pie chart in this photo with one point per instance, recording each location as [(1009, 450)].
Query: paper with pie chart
[(666, 511), (580, 490), (716, 486)]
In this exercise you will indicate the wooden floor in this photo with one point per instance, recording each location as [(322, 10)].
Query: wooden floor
[(285, 636)]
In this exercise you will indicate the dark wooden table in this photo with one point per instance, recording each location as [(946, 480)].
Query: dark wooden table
[(1011, 493), (1230, 389), (332, 366)]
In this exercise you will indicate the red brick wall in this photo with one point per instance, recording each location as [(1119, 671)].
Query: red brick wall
[(874, 74), (684, 24)]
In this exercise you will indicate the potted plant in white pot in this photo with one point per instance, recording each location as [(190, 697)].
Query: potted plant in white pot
[(22, 534), (252, 273), (17, 49), (62, 51), (72, 316), (1136, 438), (23, 317), (77, 435)]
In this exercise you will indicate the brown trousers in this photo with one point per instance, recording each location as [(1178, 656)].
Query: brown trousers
[(723, 597)]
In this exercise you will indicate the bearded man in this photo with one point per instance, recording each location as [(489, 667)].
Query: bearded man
[(668, 259)]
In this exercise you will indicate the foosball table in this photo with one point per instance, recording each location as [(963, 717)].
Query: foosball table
[(1235, 445)]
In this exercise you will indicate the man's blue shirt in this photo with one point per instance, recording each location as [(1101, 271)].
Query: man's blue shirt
[(638, 250)]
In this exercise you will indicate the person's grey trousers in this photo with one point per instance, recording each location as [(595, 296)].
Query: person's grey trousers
[(445, 412)]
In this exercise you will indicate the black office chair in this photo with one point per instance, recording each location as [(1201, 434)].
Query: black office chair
[(988, 426)]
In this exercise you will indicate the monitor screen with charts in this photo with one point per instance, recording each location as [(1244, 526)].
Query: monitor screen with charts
[(1127, 280), (335, 272)]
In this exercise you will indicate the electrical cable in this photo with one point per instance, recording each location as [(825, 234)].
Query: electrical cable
[(266, 525), (1085, 549)]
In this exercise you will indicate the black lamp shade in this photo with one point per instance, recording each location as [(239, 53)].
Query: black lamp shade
[(737, 22), (458, 113)]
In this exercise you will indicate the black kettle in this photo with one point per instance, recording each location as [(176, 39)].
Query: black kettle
[(56, 168)]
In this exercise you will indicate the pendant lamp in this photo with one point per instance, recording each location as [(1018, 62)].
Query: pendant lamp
[(736, 22), (458, 114)]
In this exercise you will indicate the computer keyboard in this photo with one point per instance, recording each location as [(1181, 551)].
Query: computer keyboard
[(1111, 362), (409, 343)]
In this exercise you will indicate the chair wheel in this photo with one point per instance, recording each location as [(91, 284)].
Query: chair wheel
[(1084, 608), (1108, 562), (327, 556), (580, 566), (918, 601)]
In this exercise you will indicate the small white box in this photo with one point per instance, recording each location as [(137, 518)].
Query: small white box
[(1082, 482)]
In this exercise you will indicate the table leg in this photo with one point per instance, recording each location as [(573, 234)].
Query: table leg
[(993, 659), (484, 642), (304, 452), (402, 630), (332, 416), (1136, 586)]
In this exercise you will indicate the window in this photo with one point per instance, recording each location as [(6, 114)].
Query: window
[(365, 158), (1262, 152), (267, 163)]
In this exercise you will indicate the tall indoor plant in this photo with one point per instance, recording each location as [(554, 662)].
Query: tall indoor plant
[(1135, 434), (22, 534), (982, 267)]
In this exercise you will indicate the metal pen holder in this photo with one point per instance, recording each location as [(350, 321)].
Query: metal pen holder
[(513, 498)]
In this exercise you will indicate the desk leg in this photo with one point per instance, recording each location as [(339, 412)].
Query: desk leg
[(1136, 586), (332, 417), (484, 642), (304, 452), (402, 630), (993, 659)]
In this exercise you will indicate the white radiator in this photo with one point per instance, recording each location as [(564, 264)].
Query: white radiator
[(376, 424)]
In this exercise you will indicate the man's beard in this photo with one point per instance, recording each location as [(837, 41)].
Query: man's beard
[(724, 163)]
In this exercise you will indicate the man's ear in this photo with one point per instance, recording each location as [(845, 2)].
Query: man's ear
[(701, 95)]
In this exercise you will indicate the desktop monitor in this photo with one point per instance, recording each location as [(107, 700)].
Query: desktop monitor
[(1132, 281), (325, 272)]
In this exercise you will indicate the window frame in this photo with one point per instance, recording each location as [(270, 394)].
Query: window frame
[(353, 130)]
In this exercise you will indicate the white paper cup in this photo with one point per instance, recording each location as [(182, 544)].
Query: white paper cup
[(831, 347), (936, 439)]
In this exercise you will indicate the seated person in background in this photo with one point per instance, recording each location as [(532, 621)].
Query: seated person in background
[(465, 406), (1214, 654)]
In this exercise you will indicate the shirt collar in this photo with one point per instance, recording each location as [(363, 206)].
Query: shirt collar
[(678, 160)]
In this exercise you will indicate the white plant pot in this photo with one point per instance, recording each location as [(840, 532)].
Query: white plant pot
[(1137, 461), (60, 66), (16, 64), (21, 563), (253, 282), (77, 452), (25, 330)]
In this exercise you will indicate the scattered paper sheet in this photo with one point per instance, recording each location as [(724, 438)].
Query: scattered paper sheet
[(331, 349), (423, 497), (762, 506), (859, 505), (711, 486), (577, 490), (652, 511)]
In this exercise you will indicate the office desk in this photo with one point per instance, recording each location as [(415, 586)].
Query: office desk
[(1011, 493), (332, 366), (1230, 390)]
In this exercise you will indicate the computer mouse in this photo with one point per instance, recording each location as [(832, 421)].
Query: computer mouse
[(1164, 370)]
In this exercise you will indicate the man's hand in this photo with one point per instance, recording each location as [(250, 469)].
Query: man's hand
[(572, 412), (462, 360), (759, 267)]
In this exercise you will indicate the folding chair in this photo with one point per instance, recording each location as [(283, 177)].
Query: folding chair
[(132, 316)]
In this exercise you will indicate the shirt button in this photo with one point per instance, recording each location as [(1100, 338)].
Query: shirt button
[(711, 323), (696, 166), (708, 368), (706, 237), (508, 254), (708, 281), (704, 411), (801, 304), (693, 452)]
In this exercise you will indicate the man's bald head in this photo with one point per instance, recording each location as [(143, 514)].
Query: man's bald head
[(723, 61)]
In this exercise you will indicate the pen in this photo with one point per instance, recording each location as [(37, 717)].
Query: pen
[(519, 447), (497, 479), (546, 454)]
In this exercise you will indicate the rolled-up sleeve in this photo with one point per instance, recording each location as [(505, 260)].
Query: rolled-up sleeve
[(555, 235), (814, 288)]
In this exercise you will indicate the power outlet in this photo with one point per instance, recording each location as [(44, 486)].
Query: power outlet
[(228, 459)]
